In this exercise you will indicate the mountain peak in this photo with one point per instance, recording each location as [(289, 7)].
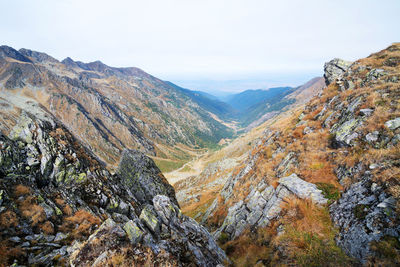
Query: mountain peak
[(37, 56), (7, 51)]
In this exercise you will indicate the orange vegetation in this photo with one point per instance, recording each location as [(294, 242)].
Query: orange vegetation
[(21, 190), (81, 224), (31, 211), (8, 219)]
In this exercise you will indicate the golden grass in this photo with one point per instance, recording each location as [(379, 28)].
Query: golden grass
[(8, 219), (250, 247), (47, 227), (80, 225), (21, 190), (308, 236), (31, 211), (9, 253)]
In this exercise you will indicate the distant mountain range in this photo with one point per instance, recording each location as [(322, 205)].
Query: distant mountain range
[(250, 106)]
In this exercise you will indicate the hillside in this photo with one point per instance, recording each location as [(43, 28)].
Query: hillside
[(320, 186), (108, 109), (244, 100), (60, 207), (208, 102)]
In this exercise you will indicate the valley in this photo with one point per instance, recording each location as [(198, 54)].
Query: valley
[(106, 166)]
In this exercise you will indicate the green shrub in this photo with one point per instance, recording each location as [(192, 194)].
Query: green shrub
[(329, 191)]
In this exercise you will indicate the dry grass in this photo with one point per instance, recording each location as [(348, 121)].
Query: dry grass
[(81, 224), (308, 238), (47, 228), (8, 219), (21, 190), (9, 253), (67, 210), (204, 202), (219, 215), (250, 247), (31, 211)]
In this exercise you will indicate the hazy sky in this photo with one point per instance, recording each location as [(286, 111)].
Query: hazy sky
[(224, 44)]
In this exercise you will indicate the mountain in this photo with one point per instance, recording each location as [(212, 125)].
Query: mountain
[(109, 109), (320, 186), (210, 96), (208, 102), (59, 206), (246, 99)]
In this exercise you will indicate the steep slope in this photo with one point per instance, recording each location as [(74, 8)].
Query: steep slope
[(321, 185), (244, 100), (305, 92), (59, 206), (208, 102), (106, 108)]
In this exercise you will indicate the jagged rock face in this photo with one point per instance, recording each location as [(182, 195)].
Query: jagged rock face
[(143, 178), (264, 202), (364, 213), (108, 109), (175, 234), (54, 194), (334, 69)]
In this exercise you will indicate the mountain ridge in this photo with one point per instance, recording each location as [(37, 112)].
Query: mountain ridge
[(105, 97)]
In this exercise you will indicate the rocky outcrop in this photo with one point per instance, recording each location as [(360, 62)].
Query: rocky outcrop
[(334, 69), (263, 204), (163, 228), (54, 193), (139, 173), (350, 135), (364, 213)]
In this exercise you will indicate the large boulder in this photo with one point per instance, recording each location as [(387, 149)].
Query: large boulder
[(334, 69), (143, 178), (303, 189), (263, 205)]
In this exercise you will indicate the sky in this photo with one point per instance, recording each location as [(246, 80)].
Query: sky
[(211, 45)]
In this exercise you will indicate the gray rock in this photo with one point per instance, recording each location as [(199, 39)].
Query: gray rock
[(15, 239), (363, 215), (345, 132), (123, 207), (60, 236), (393, 124), (372, 137), (25, 244), (335, 69), (142, 176), (284, 166), (210, 210), (49, 211), (135, 234), (303, 189), (307, 130), (150, 220), (375, 74), (366, 111)]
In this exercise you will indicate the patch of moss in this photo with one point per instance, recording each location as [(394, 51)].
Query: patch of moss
[(329, 191), (360, 211), (223, 238), (387, 250)]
